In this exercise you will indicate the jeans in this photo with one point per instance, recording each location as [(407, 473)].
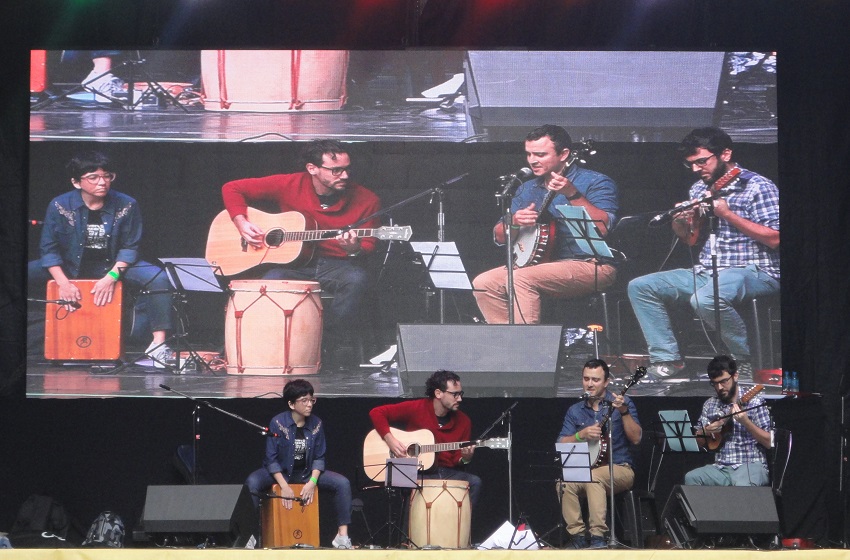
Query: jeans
[(347, 281), (261, 480), (747, 474), (650, 294), (142, 276)]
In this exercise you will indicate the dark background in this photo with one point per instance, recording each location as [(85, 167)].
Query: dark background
[(82, 451)]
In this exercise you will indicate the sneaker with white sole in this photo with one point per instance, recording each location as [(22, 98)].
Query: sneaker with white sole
[(106, 88), (161, 355), (342, 541), (745, 373), (663, 370)]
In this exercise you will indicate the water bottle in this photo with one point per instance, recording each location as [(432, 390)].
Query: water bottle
[(786, 381), (795, 383)]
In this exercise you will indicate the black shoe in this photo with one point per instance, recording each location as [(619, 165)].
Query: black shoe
[(578, 541)]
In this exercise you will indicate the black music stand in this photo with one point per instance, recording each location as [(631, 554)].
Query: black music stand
[(574, 462), (444, 266), (677, 429), (400, 473)]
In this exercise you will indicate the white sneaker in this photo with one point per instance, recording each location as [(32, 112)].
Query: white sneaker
[(107, 85), (341, 541), (160, 354)]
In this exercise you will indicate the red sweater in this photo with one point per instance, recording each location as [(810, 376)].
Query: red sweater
[(419, 414), (295, 192)]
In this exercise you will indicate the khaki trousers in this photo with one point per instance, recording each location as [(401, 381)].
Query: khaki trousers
[(596, 493)]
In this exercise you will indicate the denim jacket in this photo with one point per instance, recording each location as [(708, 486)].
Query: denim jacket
[(64, 235), (280, 450)]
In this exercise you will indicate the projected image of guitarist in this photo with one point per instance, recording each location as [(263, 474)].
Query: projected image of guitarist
[(585, 422), (326, 198), (737, 426), (547, 259), (437, 415)]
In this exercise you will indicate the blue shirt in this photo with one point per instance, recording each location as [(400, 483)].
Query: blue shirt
[(581, 415), (597, 188), (280, 451), (755, 198), (63, 237)]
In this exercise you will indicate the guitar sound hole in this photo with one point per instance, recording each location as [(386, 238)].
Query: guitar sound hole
[(274, 238)]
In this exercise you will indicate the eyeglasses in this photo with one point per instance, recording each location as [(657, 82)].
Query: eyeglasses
[(698, 162), (337, 171), (455, 394), (719, 382), (306, 400), (94, 177)]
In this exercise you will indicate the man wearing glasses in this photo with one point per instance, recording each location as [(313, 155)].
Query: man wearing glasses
[(747, 253), (325, 194), (295, 454), (438, 413), (93, 232), (741, 459)]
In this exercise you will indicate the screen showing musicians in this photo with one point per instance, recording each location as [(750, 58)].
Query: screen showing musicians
[(549, 261), (740, 208), (587, 421), (735, 424)]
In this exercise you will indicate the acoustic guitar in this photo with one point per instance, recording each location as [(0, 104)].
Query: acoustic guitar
[(419, 443), (713, 441), (286, 240)]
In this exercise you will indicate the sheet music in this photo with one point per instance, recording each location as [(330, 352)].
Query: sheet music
[(444, 265), (584, 230), (677, 429), (575, 461), (196, 275)]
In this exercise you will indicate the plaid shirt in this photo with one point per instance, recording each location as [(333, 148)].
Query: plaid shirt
[(740, 446), (755, 198)]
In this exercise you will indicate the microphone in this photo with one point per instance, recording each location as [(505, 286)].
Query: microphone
[(454, 180), (585, 396), (72, 303), (667, 215), (522, 175)]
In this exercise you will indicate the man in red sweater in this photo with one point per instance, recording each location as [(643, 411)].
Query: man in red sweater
[(324, 193), (438, 413)]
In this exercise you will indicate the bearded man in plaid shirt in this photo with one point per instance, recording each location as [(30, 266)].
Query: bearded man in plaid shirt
[(742, 459)]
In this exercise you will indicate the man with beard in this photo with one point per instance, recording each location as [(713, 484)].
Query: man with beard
[(570, 272), (582, 423), (325, 194), (747, 251), (741, 461)]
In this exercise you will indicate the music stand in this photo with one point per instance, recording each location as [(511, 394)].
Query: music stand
[(583, 231), (444, 267), (400, 472), (574, 462), (678, 437), (187, 274)]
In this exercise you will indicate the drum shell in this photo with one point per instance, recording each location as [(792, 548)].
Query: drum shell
[(274, 81), (441, 514), (280, 329), (289, 527), (91, 332)]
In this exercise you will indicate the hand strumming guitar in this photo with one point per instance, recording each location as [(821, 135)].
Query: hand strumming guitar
[(249, 232)]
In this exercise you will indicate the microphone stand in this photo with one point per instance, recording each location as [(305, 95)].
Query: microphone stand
[(505, 197), (506, 415), (196, 435), (715, 280)]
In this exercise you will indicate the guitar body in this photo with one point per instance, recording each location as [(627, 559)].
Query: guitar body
[(714, 441), (376, 452), (697, 230), (534, 244), (225, 247)]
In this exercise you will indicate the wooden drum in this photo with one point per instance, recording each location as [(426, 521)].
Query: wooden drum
[(274, 81), (89, 333), (440, 514), (288, 527), (273, 327)]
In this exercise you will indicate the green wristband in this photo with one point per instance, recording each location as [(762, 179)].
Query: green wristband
[(314, 480), (114, 275), (578, 437)]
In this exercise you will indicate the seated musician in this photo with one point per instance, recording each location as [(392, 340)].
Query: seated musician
[(438, 413), (570, 272), (746, 249), (296, 454), (325, 193), (93, 232), (741, 459), (582, 423)]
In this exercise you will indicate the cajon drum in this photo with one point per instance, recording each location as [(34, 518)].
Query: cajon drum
[(287, 527), (87, 333)]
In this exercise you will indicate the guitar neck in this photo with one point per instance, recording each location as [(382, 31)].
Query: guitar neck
[(438, 447), (321, 234)]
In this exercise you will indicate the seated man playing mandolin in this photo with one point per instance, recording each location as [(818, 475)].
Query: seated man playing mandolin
[(438, 413), (739, 425), (585, 421), (558, 268), (327, 197)]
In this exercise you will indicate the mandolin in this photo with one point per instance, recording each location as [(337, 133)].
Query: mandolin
[(697, 219), (713, 441)]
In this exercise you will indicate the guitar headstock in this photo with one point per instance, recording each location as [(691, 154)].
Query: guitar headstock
[(579, 151), (394, 233), (640, 371)]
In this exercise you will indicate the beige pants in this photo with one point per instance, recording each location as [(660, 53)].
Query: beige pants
[(559, 279), (596, 493)]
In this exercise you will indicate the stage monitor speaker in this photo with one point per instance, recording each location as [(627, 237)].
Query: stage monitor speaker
[(221, 513), (693, 511), (604, 95), (491, 360)]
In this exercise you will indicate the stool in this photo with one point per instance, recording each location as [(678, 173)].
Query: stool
[(288, 527), (637, 516), (91, 332)]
